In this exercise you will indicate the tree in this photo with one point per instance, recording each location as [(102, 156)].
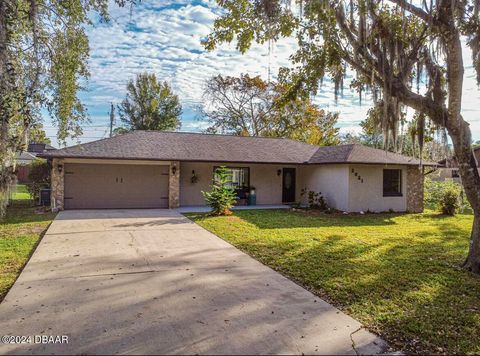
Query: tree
[(43, 61), (250, 106), (393, 46), (371, 134), (38, 134), (221, 197), (434, 147), (149, 105)]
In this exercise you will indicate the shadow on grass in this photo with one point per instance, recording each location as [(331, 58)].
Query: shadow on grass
[(284, 219)]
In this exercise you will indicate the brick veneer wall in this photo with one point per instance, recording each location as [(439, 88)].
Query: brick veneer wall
[(57, 184), (174, 186), (414, 189)]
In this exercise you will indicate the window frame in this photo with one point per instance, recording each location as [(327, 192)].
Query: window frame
[(392, 193), (236, 167)]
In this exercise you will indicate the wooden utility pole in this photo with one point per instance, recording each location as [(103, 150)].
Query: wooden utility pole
[(112, 118)]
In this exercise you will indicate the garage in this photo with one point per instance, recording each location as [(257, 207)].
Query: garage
[(115, 186)]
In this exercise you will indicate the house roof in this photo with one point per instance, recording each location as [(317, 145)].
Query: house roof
[(25, 157), (355, 153), (39, 147), (183, 146)]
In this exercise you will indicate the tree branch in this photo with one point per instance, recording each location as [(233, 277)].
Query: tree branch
[(415, 10)]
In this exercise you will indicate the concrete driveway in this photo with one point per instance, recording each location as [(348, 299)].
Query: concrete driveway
[(151, 281)]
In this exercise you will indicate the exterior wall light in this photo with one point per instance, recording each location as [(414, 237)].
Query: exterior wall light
[(279, 172), (174, 170), (60, 168)]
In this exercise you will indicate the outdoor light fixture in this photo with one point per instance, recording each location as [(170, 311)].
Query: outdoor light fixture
[(60, 168), (174, 170), (279, 172)]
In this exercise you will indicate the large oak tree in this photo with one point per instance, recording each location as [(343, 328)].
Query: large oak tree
[(394, 47)]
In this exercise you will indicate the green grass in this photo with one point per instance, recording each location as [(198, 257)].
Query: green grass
[(20, 232), (398, 274), (21, 193)]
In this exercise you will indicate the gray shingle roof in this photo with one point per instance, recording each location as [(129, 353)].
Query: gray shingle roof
[(355, 153), (182, 146)]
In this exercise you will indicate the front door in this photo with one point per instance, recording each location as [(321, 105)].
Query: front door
[(288, 185)]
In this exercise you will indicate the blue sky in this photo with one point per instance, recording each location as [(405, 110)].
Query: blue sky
[(164, 37)]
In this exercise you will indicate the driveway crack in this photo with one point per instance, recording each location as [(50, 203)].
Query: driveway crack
[(133, 243), (353, 341)]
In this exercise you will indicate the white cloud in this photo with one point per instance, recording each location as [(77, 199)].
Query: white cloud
[(164, 37)]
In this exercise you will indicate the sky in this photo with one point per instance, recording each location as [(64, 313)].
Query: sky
[(164, 37)]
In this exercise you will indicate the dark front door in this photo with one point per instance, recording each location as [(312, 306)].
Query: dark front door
[(288, 185)]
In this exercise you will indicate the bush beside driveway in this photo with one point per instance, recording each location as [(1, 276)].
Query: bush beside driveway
[(398, 274)]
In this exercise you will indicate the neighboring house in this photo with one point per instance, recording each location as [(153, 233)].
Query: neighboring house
[(448, 168), (155, 169), (25, 158)]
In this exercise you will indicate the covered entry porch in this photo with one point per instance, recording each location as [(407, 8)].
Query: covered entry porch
[(274, 184)]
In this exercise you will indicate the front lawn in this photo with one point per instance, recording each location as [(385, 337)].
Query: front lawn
[(398, 274), (20, 232)]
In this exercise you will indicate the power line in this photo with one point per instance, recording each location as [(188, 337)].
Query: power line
[(54, 127), (81, 137)]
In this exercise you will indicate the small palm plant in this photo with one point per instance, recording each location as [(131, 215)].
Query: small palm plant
[(221, 196)]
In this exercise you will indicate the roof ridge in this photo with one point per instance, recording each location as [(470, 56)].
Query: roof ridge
[(95, 141), (224, 135)]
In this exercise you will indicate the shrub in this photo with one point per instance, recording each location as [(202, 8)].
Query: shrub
[(39, 177), (221, 198), (315, 200), (445, 196), (450, 200)]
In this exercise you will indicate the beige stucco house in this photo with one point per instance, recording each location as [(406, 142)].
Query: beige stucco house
[(153, 169)]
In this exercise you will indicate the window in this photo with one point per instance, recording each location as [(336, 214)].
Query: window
[(240, 176), (392, 182)]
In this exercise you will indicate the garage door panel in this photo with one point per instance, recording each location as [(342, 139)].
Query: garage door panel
[(103, 186)]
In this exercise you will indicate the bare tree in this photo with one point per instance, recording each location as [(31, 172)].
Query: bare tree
[(250, 106)]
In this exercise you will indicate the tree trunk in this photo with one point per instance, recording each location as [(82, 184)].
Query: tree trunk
[(461, 138), (472, 263)]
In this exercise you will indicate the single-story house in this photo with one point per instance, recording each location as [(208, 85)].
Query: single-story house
[(155, 169)]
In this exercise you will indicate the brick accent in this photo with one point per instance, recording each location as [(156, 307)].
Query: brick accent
[(414, 189), (58, 185), (174, 185)]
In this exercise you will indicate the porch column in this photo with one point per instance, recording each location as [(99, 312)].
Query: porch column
[(57, 184), (174, 185), (414, 189)]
